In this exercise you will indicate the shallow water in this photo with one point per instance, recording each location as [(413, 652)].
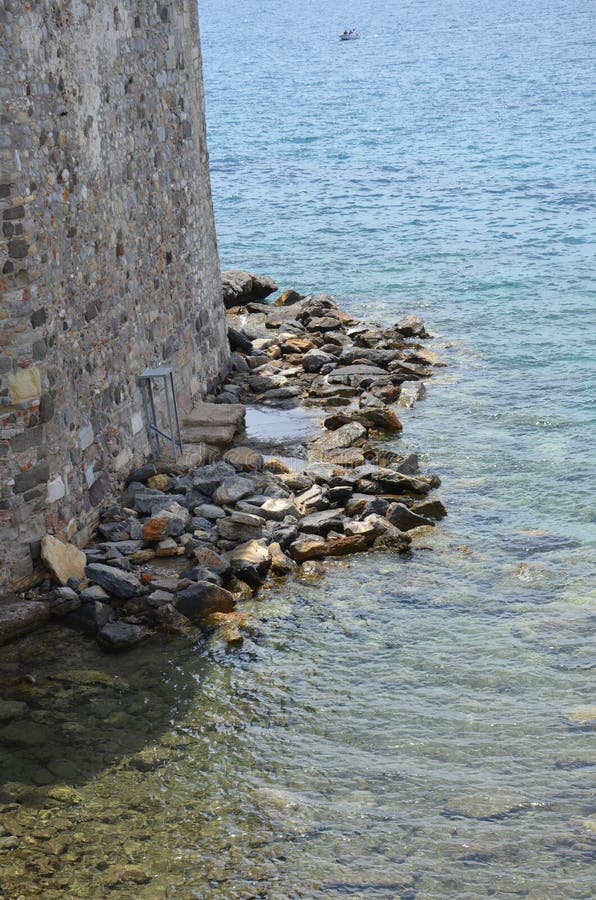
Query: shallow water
[(416, 728)]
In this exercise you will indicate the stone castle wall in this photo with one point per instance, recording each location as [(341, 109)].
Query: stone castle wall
[(108, 256)]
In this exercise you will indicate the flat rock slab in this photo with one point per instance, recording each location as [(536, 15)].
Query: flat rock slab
[(216, 435), (216, 414), (21, 616), (118, 636), (116, 582)]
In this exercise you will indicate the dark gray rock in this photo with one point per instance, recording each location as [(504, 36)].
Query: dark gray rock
[(411, 326), (90, 617), (143, 473), (208, 478), (283, 533), (117, 583), (322, 522), (233, 489), (314, 360), (404, 519), (117, 636), (114, 531), (200, 600)]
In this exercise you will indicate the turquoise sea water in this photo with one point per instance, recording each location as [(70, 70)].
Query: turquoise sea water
[(418, 729), (444, 164)]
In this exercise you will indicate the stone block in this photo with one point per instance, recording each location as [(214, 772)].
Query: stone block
[(64, 561)]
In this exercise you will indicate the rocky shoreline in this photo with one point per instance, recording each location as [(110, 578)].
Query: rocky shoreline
[(229, 516)]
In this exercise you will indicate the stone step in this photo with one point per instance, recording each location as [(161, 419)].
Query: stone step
[(205, 414), (215, 435)]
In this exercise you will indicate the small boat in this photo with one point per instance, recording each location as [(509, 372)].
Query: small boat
[(350, 34)]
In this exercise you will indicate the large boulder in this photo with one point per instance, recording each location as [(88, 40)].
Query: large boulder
[(116, 582), (239, 287), (200, 600), (63, 560), (404, 519), (411, 326)]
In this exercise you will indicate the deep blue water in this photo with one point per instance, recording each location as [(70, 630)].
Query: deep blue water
[(443, 164)]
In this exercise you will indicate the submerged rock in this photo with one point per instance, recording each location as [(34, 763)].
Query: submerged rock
[(21, 616), (117, 636)]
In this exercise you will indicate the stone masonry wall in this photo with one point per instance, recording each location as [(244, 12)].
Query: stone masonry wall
[(108, 257)]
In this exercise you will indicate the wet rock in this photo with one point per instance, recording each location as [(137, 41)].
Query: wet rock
[(410, 392), (307, 548), (244, 459), (389, 537), (281, 563), (90, 617), (434, 509), (410, 465), (239, 287), (94, 592), (12, 709), (250, 562), (208, 558), (26, 733), (118, 636), (288, 298), (490, 803), (64, 561), (411, 326), (404, 519), (343, 437), (174, 622), (366, 356), (21, 616), (117, 583), (581, 716), (232, 489), (200, 600)]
